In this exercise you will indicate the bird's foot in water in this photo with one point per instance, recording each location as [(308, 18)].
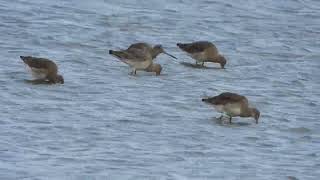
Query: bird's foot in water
[(230, 119), (220, 118), (133, 73), (225, 117)]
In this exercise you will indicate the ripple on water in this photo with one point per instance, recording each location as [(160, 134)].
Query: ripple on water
[(300, 130)]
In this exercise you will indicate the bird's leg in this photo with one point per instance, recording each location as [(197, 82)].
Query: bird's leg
[(230, 119), (133, 72), (220, 118)]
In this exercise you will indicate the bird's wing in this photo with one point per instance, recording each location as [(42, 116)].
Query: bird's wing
[(41, 63), (227, 98), (196, 47), (37, 62), (133, 55), (136, 54), (140, 46)]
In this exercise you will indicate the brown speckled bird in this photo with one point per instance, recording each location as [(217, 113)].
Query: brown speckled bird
[(233, 105), (43, 70), (137, 59), (203, 51), (155, 50)]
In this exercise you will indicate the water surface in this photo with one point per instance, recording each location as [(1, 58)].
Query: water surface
[(104, 124)]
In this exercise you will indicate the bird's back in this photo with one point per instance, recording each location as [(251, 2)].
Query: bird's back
[(135, 54), (134, 57), (227, 98), (40, 63), (196, 47), (140, 46)]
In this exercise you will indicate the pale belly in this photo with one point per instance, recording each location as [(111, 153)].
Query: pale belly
[(37, 73), (229, 109), (232, 109), (219, 108), (139, 65), (199, 57)]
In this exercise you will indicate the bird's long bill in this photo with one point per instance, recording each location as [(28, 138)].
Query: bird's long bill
[(170, 55)]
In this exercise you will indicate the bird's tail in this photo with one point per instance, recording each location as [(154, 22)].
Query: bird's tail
[(116, 53), (119, 54), (210, 100), (182, 46), (23, 58), (205, 99)]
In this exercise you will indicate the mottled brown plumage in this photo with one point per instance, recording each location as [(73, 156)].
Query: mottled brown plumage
[(227, 97), (137, 59), (44, 70), (197, 47), (233, 105), (203, 51), (155, 50)]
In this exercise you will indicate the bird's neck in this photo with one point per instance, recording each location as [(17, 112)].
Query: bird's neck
[(154, 53), (252, 112), (247, 112), (151, 68), (214, 59)]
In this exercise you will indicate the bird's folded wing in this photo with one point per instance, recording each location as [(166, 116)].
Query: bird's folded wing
[(39, 73), (196, 47), (140, 46), (227, 97), (232, 98), (138, 55), (37, 62)]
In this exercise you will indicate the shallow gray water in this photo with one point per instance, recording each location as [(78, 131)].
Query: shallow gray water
[(104, 124)]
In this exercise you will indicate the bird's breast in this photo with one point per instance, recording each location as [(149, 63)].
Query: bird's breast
[(233, 109), (140, 64), (219, 108), (200, 56)]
